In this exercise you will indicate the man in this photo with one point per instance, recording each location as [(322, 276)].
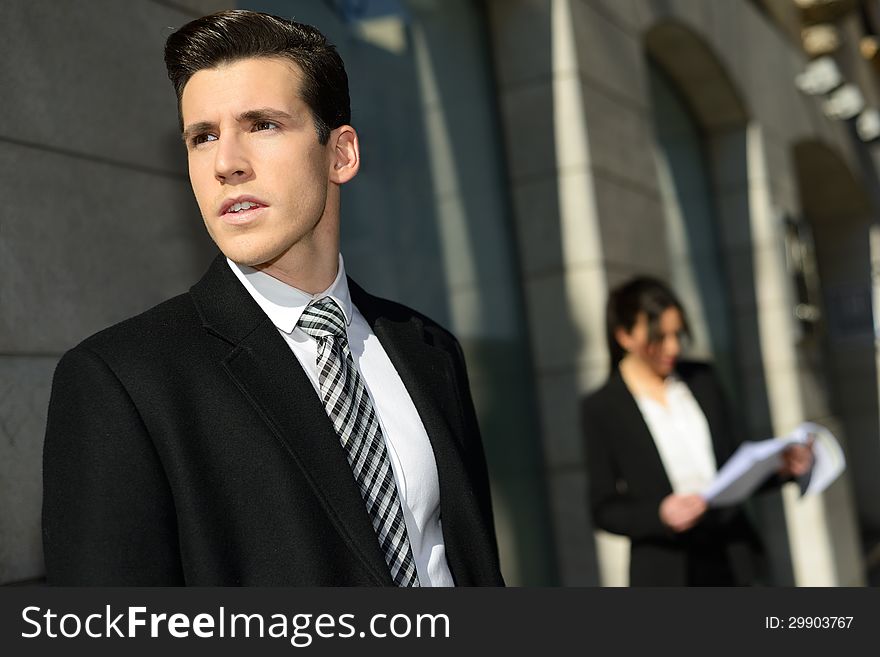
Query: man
[(277, 425)]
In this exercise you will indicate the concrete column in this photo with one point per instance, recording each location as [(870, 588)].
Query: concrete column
[(815, 549)]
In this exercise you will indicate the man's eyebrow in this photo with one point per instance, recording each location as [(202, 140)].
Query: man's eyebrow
[(197, 128), (263, 114), (259, 114)]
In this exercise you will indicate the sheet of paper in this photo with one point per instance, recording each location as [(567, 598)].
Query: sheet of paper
[(747, 469), (829, 461), (754, 462)]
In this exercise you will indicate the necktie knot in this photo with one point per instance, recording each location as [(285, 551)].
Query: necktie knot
[(323, 318)]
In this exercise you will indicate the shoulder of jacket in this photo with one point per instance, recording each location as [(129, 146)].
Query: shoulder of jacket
[(153, 326), (598, 399)]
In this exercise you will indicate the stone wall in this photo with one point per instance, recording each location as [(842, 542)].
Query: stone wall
[(98, 222)]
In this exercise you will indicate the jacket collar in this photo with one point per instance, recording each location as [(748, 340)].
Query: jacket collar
[(283, 303), (224, 306), (228, 311)]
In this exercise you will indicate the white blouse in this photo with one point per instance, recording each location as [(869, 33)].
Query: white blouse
[(681, 434)]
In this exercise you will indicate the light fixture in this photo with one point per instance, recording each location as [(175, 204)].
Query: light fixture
[(844, 103), (868, 124), (820, 77), (819, 40)]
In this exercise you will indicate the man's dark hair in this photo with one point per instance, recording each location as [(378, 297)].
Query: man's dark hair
[(236, 34), (626, 302)]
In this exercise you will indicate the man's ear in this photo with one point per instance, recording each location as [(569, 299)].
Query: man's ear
[(346, 157)]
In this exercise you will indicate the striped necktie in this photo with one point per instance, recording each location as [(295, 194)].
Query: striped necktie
[(349, 407)]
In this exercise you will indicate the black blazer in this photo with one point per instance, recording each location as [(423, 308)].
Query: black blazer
[(627, 482), (187, 446)]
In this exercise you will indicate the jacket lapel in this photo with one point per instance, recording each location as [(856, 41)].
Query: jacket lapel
[(427, 373), (273, 382), (634, 430)]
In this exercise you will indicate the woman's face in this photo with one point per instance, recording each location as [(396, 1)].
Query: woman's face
[(661, 353)]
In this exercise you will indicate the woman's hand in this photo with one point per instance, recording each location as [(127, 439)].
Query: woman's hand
[(681, 512), (796, 460)]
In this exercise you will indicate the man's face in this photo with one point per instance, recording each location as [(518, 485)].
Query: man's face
[(259, 174)]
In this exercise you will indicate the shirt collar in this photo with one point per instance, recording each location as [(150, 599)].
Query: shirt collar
[(283, 303)]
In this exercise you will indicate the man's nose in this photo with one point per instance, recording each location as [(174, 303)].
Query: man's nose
[(231, 162)]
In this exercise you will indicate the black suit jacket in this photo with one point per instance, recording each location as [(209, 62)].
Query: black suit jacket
[(187, 446), (628, 482)]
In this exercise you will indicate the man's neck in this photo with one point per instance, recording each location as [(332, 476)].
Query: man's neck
[(312, 263), (311, 271)]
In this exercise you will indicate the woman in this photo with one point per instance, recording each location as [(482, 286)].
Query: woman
[(656, 434)]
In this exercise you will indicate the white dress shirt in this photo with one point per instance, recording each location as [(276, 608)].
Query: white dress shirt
[(681, 433), (409, 450)]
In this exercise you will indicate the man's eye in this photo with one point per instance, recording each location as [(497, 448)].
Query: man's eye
[(264, 125), (201, 139)]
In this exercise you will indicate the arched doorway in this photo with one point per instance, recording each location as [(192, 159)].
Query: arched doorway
[(702, 144)]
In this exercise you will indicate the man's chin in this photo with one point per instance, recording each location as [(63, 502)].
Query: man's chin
[(247, 258), (244, 250)]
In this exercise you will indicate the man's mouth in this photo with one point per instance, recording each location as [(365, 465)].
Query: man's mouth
[(240, 206)]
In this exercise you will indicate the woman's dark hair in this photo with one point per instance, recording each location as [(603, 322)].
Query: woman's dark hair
[(626, 302), (235, 34)]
